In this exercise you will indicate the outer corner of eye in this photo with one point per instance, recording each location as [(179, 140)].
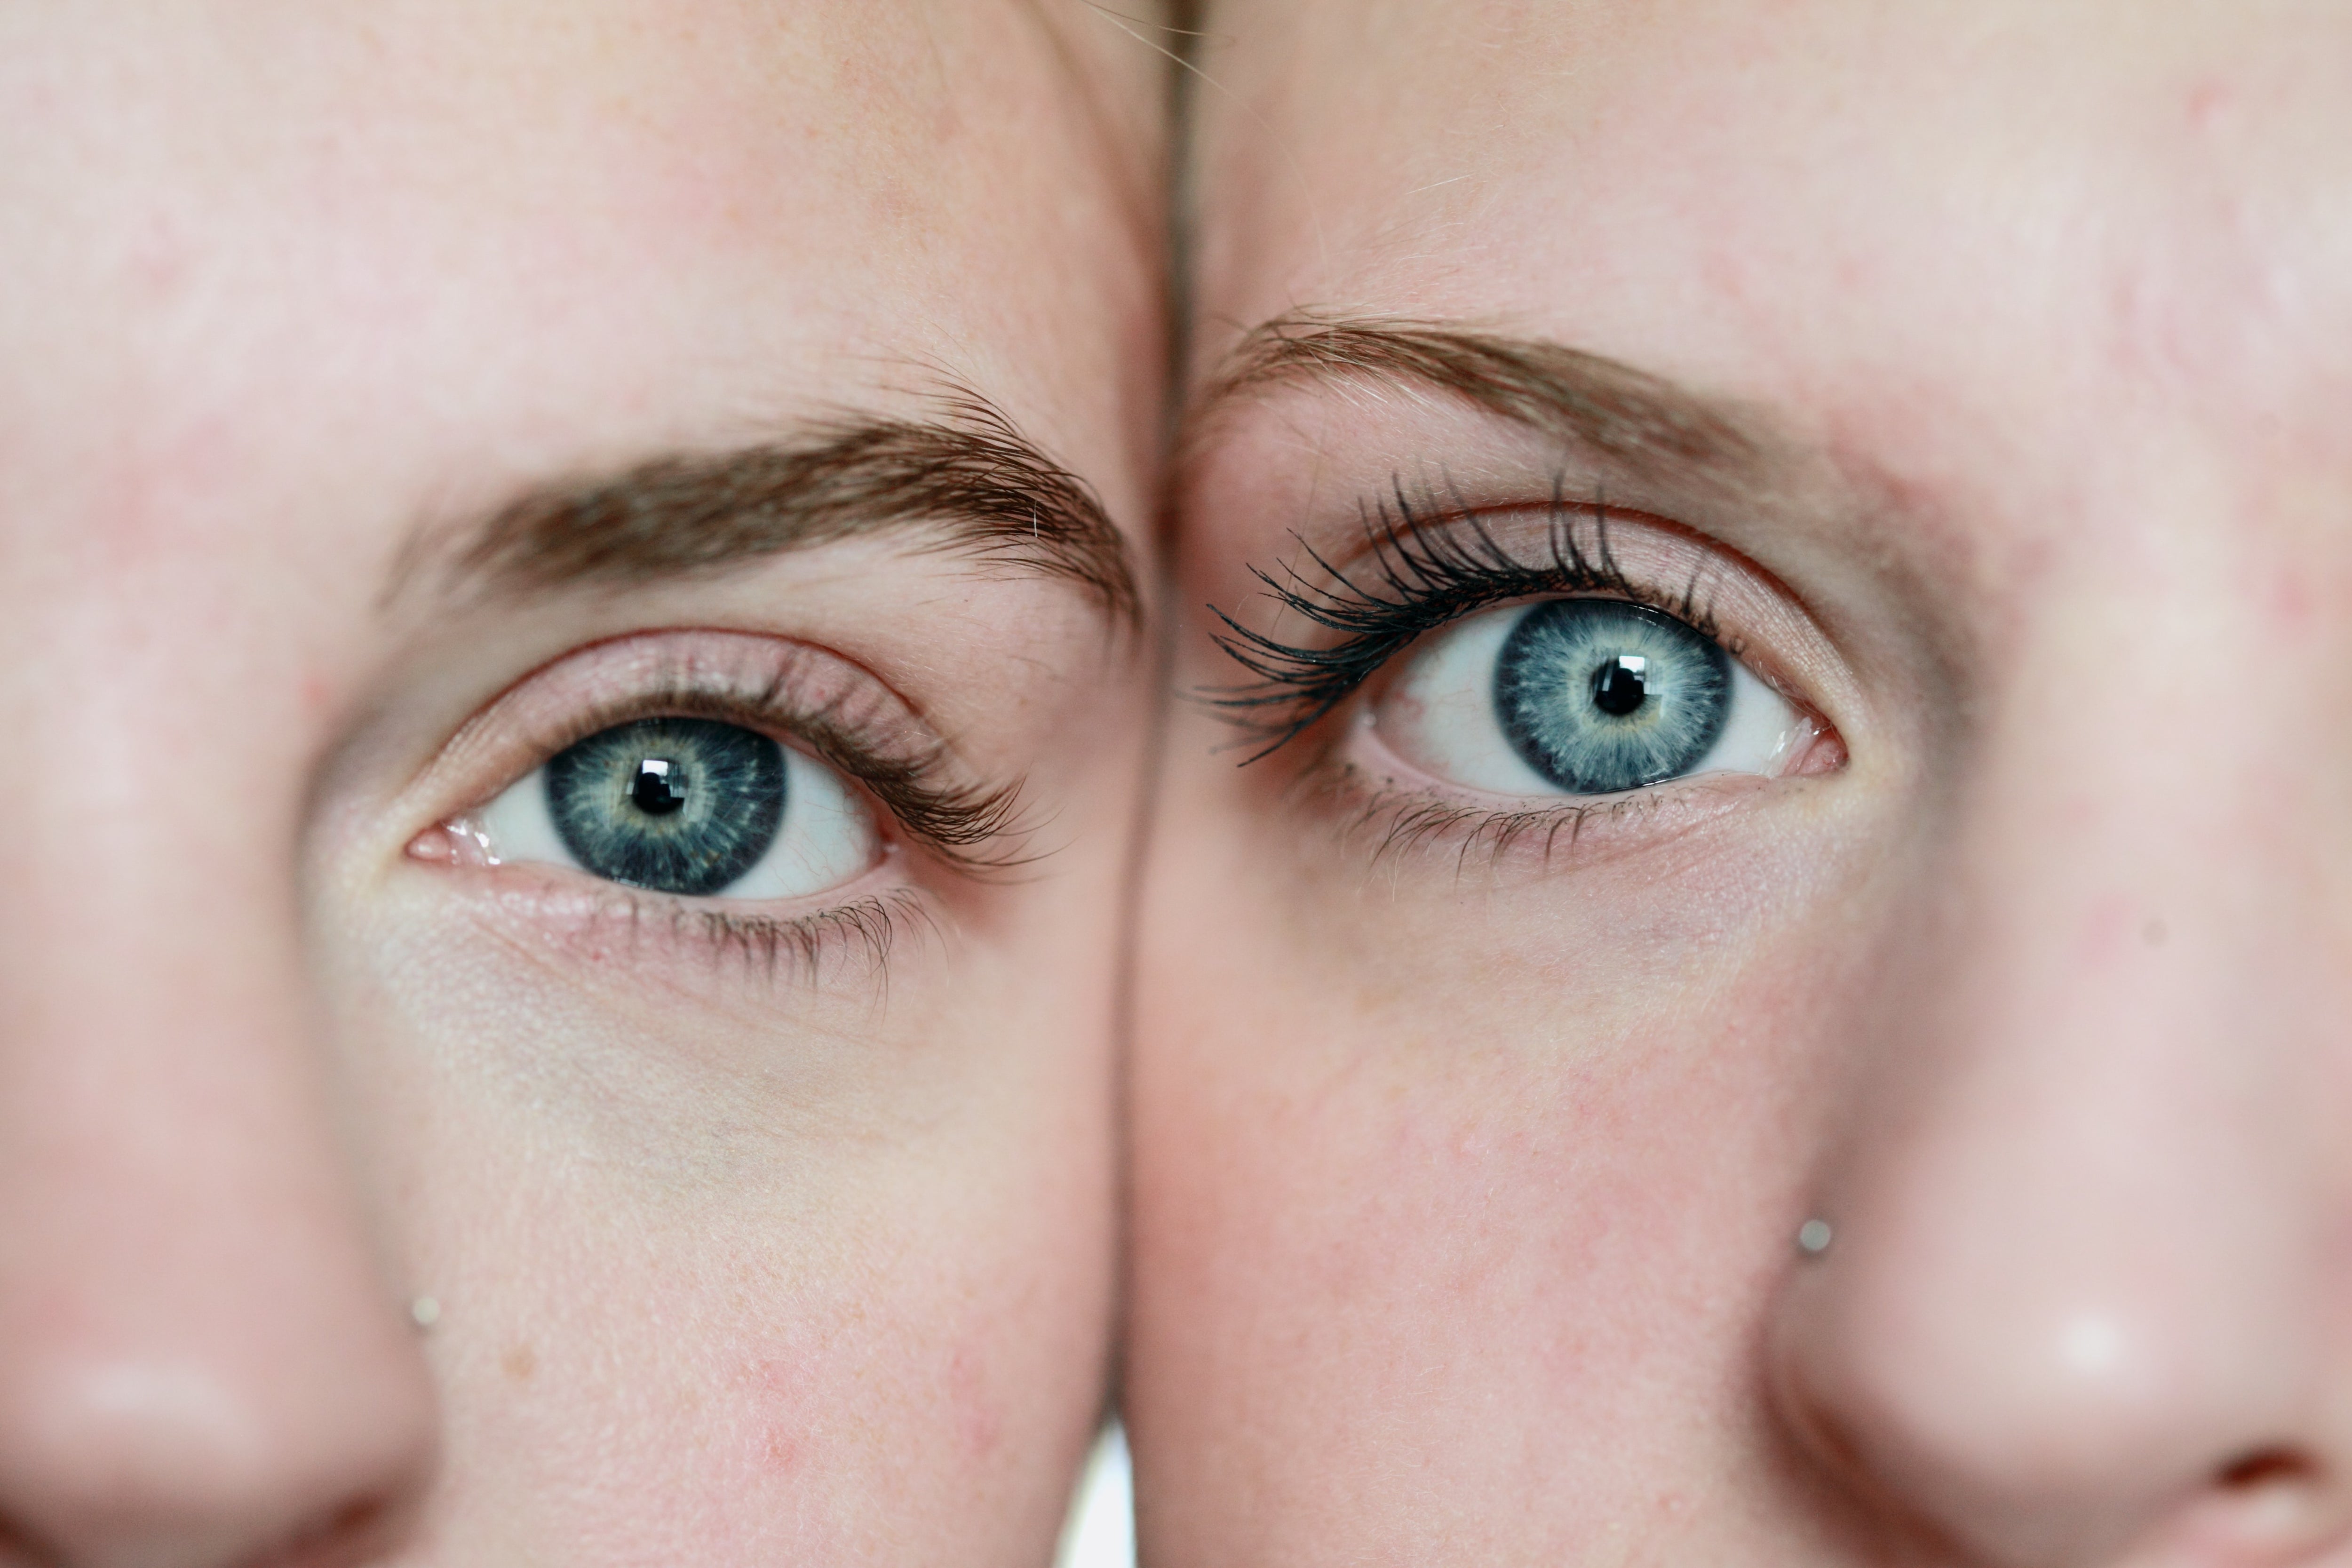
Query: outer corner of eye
[(1585, 697)]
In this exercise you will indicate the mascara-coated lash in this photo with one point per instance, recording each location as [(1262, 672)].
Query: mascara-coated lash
[(1424, 571)]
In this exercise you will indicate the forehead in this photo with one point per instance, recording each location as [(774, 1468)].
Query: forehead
[(1999, 215), (435, 237)]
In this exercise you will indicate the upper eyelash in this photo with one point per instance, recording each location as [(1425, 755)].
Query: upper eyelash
[(956, 819), (1427, 575)]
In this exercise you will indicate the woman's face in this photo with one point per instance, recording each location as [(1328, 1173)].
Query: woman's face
[(554, 556), (1813, 542)]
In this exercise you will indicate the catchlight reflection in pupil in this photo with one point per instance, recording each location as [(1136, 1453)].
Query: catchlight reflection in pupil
[(1599, 696), (676, 805)]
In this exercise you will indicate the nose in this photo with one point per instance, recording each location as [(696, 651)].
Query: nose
[(200, 1363), (2084, 1291)]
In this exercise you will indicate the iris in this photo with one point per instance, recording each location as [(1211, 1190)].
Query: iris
[(678, 805), (1599, 695)]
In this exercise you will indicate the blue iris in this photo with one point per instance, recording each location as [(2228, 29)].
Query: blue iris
[(1599, 696), (678, 805)]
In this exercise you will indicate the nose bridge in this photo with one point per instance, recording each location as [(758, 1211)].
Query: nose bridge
[(2075, 1285), (199, 1359)]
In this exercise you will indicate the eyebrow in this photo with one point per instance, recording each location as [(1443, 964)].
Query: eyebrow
[(1586, 399), (968, 479)]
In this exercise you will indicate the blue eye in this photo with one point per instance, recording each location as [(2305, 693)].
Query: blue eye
[(694, 807), (678, 805), (1582, 696), (1598, 694)]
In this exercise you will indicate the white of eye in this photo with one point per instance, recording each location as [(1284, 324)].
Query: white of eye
[(1440, 716), (827, 835)]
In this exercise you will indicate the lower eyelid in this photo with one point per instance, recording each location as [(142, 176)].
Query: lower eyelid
[(599, 934), (1388, 816)]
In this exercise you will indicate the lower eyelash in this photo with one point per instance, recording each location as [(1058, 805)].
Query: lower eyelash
[(591, 922), (797, 948), (1402, 820), (1424, 575)]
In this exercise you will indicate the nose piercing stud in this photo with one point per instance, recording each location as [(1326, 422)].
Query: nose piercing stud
[(424, 1311), (1813, 1238)]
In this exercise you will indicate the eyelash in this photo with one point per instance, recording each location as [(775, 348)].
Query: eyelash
[(1427, 575), (956, 820), (973, 828)]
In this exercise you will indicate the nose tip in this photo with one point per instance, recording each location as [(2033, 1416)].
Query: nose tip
[(2054, 1408), (161, 1462)]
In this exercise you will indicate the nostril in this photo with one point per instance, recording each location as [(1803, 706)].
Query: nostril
[(351, 1534), (2265, 1468), (2274, 1504)]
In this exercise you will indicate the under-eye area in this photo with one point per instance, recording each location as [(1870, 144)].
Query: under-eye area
[(1512, 677), (746, 793)]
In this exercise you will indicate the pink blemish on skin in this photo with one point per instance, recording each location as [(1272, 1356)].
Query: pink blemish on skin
[(780, 1389), (2206, 100), (977, 1421), (2291, 602), (2105, 929)]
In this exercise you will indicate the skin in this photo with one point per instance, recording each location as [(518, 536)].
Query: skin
[(734, 1261), (1467, 1178)]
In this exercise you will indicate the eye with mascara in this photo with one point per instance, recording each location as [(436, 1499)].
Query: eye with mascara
[(1582, 696), (1598, 657)]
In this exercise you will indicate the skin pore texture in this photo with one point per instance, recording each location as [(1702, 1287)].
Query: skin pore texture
[(392, 396), (1977, 376)]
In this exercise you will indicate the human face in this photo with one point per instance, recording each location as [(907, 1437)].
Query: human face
[(1974, 382), (393, 398)]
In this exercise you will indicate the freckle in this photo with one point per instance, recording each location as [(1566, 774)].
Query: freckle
[(520, 1362), (2155, 933)]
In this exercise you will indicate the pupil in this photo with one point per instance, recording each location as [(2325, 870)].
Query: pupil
[(1620, 686), (658, 789)]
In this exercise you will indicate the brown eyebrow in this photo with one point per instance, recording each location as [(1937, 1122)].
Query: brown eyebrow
[(1584, 398), (968, 476)]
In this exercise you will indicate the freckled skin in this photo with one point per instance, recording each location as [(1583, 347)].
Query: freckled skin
[(1465, 1189)]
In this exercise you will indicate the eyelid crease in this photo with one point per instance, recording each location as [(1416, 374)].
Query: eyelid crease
[(1431, 567)]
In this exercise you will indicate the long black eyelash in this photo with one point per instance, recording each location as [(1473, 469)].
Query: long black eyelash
[(1422, 573)]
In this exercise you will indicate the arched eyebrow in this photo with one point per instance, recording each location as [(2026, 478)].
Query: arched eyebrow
[(967, 482), (1587, 400)]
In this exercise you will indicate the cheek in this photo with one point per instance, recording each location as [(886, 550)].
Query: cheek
[(1467, 1174), (735, 1274)]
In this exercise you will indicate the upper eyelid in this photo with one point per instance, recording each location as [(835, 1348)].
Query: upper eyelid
[(837, 711), (586, 689)]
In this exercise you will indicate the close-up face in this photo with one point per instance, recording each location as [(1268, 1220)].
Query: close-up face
[(1742, 949), (573, 615)]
